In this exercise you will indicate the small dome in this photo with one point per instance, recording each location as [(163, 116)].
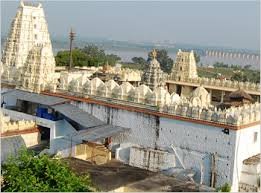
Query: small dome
[(200, 91), (174, 98)]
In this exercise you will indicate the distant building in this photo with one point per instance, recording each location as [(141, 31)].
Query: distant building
[(184, 66)]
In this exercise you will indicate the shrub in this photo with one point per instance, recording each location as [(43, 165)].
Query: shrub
[(28, 173)]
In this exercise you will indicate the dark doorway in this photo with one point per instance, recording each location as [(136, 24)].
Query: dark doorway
[(45, 133), (179, 89)]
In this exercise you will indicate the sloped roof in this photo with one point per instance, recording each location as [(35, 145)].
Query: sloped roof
[(240, 94), (78, 115), (199, 91), (33, 97), (100, 132)]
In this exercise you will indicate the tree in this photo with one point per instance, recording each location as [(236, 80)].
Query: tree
[(29, 173), (112, 59), (225, 188), (63, 57), (220, 65), (90, 55), (239, 76), (138, 60), (163, 58)]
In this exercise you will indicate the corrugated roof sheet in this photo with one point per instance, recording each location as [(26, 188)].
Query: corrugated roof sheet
[(35, 98), (100, 132), (78, 115)]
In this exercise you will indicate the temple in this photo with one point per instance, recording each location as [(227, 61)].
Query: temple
[(153, 75), (28, 50), (150, 120)]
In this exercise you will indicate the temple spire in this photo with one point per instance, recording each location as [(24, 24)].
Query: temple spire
[(154, 53)]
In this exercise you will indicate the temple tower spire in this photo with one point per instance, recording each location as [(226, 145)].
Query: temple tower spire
[(153, 75), (28, 30), (27, 36)]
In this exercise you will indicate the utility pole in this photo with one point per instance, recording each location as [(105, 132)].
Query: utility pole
[(71, 35)]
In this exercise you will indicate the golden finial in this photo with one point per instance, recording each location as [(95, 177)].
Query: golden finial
[(154, 53)]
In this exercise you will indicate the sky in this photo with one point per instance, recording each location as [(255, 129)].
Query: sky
[(233, 24)]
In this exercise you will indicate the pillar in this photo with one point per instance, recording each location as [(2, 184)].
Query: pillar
[(222, 96)]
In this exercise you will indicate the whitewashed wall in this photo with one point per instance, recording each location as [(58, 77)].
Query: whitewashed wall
[(245, 147), (194, 142), (31, 139)]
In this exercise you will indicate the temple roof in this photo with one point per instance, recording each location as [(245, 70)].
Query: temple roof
[(240, 94)]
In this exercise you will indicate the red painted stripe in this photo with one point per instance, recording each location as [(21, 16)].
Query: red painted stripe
[(147, 111)]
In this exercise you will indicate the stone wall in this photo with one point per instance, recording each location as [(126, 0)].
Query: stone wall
[(194, 143), (162, 100), (17, 126), (150, 159)]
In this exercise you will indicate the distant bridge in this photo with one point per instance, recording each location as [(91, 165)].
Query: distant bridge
[(233, 55)]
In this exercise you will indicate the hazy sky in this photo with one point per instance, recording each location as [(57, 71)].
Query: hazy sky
[(214, 23)]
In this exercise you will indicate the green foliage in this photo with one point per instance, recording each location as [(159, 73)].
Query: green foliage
[(220, 65), (239, 76), (63, 57), (225, 188), (165, 61), (139, 60), (232, 72), (90, 55), (29, 173), (132, 66)]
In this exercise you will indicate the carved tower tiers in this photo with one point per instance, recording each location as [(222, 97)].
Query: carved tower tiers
[(39, 69), (28, 30), (153, 75), (184, 67)]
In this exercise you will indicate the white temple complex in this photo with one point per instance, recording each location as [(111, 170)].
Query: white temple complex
[(176, 118)]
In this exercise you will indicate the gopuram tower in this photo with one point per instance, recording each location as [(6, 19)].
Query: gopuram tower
[(153, 75), (184, 67), (28, 55)]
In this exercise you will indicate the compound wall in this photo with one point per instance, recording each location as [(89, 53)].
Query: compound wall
[(194, 143)]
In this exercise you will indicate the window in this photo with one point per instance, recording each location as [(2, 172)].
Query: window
[(35, 36), (255, 137), (34, 26), (180, 68)]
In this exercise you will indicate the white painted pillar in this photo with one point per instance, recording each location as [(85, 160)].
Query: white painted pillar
[(222, 96)]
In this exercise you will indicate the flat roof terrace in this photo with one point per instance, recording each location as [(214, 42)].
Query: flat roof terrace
[(114, 175)]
